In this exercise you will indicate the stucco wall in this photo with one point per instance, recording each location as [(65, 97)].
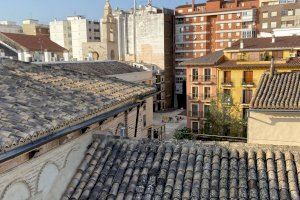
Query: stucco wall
[(274, 128)]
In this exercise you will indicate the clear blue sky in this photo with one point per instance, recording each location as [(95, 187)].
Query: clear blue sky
[(46, 10)]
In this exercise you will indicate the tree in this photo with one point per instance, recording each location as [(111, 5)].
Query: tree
[(223, 118)]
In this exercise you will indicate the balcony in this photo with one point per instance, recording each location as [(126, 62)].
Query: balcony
[(203, 98), (248, 83), (196, 114), (204, 80), (227, 84), (208, 79)]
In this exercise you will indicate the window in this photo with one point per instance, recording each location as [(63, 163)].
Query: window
[(229, 16), (265, 14), (227, 96), (238, 34), (227, 76), (265, 25), (195, 127), (274, 14), (222, 26), (207, 74), (206, 92), (206, 110), (202, 19), (222, 17), (238, 24), (273, 24), (194, 75), (194, 92), (248, 77), (195, 110), (229, 35), (229, 25), (221, 35), (221, 44), (287, 12), (247, 96)]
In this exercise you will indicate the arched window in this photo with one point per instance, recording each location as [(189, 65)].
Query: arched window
[(18, 190)]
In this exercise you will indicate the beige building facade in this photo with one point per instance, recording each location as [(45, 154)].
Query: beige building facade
[(274, 116), (33, 27)]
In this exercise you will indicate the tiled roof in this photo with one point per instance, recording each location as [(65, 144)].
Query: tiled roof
[(124, 169), (209, 59), (34, 43), (103, 68), (292, 62), (266, 43), (36, 101), (280, 91)]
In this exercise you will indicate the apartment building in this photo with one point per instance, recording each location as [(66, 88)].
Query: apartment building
[(10, 27), (204, 28), (201, 87), (73, 32), (247, 60), (145, 36), (233, 74), (279, 14), (33, 27)]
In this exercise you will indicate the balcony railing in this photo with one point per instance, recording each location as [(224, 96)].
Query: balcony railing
[(196, 114), (247, 83), (204, 97), (203, 79), (227, 83)]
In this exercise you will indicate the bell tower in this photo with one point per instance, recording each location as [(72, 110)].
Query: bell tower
[(108, 24)]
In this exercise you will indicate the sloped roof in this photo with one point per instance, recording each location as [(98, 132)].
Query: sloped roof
[(280, 91), (266, 43), (36, 101), (34, 43), (292, 62), (209, 59), (129, 169), (103, 68)]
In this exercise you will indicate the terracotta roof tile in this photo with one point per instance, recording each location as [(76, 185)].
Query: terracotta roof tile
[(266, 43), (36, 101), (209, 59), (135, 169), (102, 68), (280, 91), (34, 43)]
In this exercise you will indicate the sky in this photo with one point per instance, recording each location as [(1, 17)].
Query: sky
[(47, 10)]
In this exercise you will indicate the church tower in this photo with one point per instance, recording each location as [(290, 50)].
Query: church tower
[(109, 31), (108, 24)]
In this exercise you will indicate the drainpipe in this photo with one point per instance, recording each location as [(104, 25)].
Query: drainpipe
[(137, 120)]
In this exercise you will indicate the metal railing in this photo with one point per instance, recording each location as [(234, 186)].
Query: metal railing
[(196, 114)]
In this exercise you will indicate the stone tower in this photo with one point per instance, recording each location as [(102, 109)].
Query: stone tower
[(109, 32)]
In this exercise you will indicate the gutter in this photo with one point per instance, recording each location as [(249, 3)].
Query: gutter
[(61, 133), (274, 111)]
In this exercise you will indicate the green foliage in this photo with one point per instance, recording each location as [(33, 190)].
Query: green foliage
[(183, 133), (223, 118)]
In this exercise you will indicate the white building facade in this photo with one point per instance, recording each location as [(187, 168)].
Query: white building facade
[(73, 32), (10, 27)]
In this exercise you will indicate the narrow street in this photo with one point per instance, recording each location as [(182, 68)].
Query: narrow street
[(173, 120)]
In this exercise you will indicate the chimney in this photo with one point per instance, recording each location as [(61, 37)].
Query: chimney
[(193, 5), (272, 69), (273, 38), (241, 44), (230, 43)]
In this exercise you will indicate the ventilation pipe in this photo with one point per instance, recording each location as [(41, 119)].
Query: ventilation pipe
[(241, 44), (272, 69), (273, 38)]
